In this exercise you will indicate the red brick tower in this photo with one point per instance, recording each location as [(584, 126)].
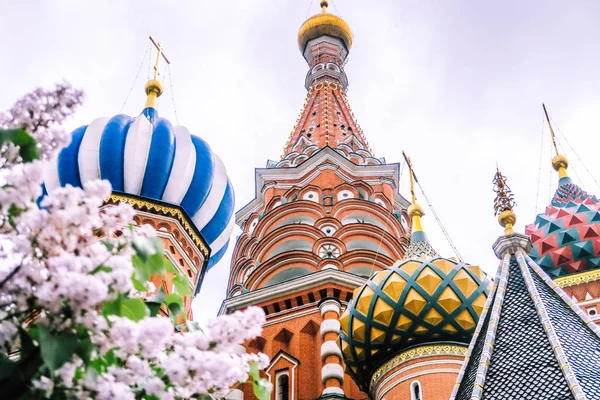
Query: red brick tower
[(325, 218)]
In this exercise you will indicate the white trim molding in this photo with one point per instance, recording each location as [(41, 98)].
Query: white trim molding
[(330, 305), (330, 325), (330, 348), (332, 371)]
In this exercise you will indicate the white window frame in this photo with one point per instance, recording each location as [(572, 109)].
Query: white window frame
[(412, 390), (278, 375)]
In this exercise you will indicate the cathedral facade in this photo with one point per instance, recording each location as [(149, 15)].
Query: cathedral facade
[(359, 304)]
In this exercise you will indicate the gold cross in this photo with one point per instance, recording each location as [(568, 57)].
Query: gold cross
[(160, 53)]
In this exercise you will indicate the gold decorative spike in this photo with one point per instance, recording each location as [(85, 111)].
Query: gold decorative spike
[(504, 203), (479, 303), (382, 312), (346, 351), (377, 335), (344, 319), (414, 302), (429, 280), (403, 322), (364, 300), (358, 330), (360, 352), (394, 286), (379, 276), (449, 300), (433, 317), (396, 338), (465, 283), (449, 328), (421, 330), (374, 351), (465, 320), (445, 265), (410, 266), (478, 271), (153, 87)]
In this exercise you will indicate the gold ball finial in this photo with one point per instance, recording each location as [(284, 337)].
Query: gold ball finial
[(324, 5), (415, 210), (153, 86), (507, 220), (559, 162)]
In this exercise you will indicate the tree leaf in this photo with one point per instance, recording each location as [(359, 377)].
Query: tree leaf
[(153, 308), (174, 298), (134, 309), (27, 144), (181, 285), (6, 366), (174, 309), (56, 349), (262, 389), (84, 350), (137, 284), (112, 307)]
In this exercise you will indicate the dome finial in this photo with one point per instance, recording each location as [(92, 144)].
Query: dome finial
[(504, 203), (415, 211), (153, 87), (324, 5), (559, 162)]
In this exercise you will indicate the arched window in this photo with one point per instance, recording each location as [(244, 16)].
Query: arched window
[(415, 391), (282, 391)]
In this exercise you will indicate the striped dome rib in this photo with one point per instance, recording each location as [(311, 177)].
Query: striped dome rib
[(148, 157)]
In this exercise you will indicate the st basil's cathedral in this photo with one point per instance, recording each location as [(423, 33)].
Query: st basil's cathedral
[(359, 303)]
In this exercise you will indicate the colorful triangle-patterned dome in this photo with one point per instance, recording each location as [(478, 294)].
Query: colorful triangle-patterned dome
[(566, 237)]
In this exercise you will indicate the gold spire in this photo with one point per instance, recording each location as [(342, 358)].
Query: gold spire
[(153, 87), (415, 211), (324, 5), (504, 203), (559, 162)]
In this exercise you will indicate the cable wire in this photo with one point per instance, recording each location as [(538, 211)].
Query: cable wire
[(439, 221), (576, 155), (336, 9), (135, 80), (172, 93), (307, 11)]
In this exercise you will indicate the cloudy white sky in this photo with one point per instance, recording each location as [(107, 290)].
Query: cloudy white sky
[(458, 84)]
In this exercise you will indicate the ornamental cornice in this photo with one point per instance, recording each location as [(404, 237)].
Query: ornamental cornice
[(309, 167), (430, 350), (297, 285), (578, 279), (169, 210)]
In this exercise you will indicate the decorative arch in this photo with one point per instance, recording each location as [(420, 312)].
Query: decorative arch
[(300, 208), (280, 262)]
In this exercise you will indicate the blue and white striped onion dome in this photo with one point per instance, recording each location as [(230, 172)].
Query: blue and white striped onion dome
[(148, 157)]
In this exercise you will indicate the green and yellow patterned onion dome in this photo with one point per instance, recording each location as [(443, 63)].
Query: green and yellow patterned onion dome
[(566, 237), (422, 299)]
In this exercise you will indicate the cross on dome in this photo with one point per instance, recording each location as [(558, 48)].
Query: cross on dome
[(153, 87)]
